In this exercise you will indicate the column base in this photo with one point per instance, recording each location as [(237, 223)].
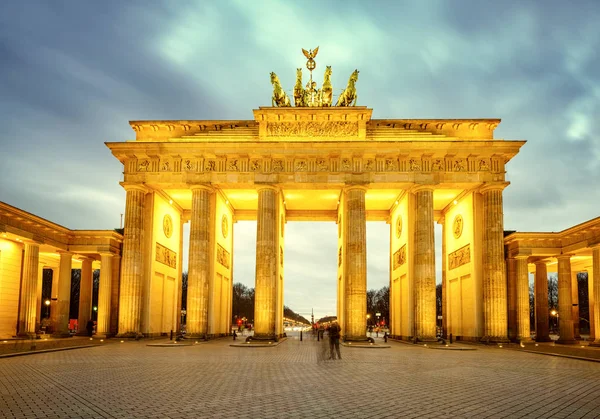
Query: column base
[(27, 335), (426, 339), (566, 341), (61, 335), (262, 337), (524, 340), (543, 339), (196, 336), (130, 335), (494, 339), (595, 343)]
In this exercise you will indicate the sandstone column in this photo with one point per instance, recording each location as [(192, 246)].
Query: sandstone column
[(85, 296), (114, 298), (424, 265), (494, 275), (39, 304), (565, 307), (575, 306), (591, 300), (64, 295), (511, 295), (199, 262), (444, 279), (130, 294), (29, 286), (355, 272), (104, 295), (54, 299), (523, 323), (542, 332), (596, 287), (267, 232)]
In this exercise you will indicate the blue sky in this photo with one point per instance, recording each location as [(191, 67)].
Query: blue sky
[(74, 73)]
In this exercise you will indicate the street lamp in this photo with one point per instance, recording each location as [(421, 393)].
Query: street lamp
[(368, 317), (47, 302), (555, 314)]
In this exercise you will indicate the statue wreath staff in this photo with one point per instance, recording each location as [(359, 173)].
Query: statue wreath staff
[(311, 90)]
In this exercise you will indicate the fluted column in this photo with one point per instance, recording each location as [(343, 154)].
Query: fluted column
[(39, 304), (85, 296), (130, 294), (444, 285), (523, 323), (565, 311), (64, 295), (355, 272), (494, 275), (104, 295), (267, 232), (199, 262), (54, 299), (575, 304), (424, 266), (511, 296), (114, 298), (29, 286), (596, 287), (542, 332)]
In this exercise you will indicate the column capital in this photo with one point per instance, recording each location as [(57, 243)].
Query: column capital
[(420, 188), (594, 246), (129, 186), (202, 186), (106, 254), (564, 256), (349, 187), (493, 186), (540, 263), (65, 253), (262, 186), (521, 257)]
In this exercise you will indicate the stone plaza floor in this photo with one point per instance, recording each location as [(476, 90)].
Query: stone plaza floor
[(295, 380)]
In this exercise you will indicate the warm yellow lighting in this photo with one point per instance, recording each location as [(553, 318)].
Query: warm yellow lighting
[(101, 340), (171, 201), (500, 346), (47, 302), (455, 202), (122, 341), (536, 344), (553, 312), (397, 202), (91, 339), (226, 202), (425, 345)]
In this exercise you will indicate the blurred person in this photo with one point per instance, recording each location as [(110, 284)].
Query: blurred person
[(334, 340)]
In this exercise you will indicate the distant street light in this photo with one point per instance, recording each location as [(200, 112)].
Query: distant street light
[(47, 302), (555, 314)]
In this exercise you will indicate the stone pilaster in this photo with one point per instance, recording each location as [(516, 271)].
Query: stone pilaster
[(542, 332), (130, 293), (494, 275), (523, 323), (85, 296), (425, 319), (596, 287), (64, 295), (355, 263), (29, 286), (565, 307), (104, 295), (575, 305), (444, 280), (199, 262), (267, 233)]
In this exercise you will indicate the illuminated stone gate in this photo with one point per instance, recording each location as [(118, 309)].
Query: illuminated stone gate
[(315, 164)]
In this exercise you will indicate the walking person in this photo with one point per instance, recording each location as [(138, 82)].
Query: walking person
[(334, 340)]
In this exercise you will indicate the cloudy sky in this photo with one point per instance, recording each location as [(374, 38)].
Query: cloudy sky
[(73, 73)]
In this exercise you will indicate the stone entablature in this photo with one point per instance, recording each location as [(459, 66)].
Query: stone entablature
[(576, 238), (314, 124), (38, 230)]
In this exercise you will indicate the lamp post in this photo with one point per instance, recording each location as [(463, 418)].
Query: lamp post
[(368, 317), (47, 303), (555, 314)]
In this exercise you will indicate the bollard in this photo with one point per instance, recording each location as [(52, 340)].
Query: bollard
[(318, 335), (171, 336), (234, 335), (385, 336), (450, 337), (300, 335)]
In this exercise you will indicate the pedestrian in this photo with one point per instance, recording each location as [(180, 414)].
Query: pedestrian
[(334, 340), (90, 327)]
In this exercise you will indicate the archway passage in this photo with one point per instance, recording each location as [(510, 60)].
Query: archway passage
[(334, 164)]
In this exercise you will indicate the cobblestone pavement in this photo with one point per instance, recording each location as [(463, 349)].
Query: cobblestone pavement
[(295, 380)]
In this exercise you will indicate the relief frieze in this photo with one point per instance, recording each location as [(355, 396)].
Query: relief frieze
[(166, 256), (222, 256), (399, 257), (312, 129), (459, 257)]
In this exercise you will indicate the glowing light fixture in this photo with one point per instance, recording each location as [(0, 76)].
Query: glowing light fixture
[(171, 201), (455, 202)]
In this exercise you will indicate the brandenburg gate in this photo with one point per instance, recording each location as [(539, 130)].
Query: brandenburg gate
[(316, 162)]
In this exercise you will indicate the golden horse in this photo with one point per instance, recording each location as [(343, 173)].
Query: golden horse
[(299, 92), (280, 98), (349, 96), (326, 92)]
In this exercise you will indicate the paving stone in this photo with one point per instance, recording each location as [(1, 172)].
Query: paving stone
[(295, 380)]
